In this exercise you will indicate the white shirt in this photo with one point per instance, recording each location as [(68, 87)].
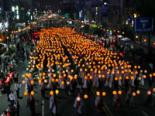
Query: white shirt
[(12, 97)]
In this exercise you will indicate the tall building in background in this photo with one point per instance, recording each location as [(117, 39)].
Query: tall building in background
[(7, 5)]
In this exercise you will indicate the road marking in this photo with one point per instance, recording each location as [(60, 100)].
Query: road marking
[(107, 110), (43, 107), (144, 113)]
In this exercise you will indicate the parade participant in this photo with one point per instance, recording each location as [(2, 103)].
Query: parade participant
[(97, 99), (78, 105), (52, 104), (4, 113), (72, 62)]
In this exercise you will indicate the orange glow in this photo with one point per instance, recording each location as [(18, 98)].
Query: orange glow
[(114, 92), (103, 93)]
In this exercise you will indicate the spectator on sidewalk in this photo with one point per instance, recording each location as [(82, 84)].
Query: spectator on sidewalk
[(52, 105), (12, 98)]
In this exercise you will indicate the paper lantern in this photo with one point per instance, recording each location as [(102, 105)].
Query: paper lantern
[(32, 82), (103, 93), (45, 81), (119, 92), (56, 91), (120, 78), (25, 93), (39, 81), (23, 82), (134, 94), (85, 96), (149, 92), (127, 77), (138, 92), (97, 93), (51, 93), (150, 75), (145, 71), (78, 98), (114, 92), (153, 90), (32, 93), (116, 78)]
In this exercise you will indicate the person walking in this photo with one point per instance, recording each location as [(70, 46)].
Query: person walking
[(78, 105), (52, 105)]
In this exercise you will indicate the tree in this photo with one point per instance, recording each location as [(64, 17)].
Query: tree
[(145, 7)]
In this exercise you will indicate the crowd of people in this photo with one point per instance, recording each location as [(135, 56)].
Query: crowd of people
[(10, 83), (66, 60)]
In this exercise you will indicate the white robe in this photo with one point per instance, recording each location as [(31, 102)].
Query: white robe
[(97, 100), (78, 107), (85, 84), (52, 105)]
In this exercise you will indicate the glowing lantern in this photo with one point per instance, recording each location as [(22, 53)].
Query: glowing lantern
[(127, 78), (122, 72), (52, 80), (114, 92), (135, 67), (62, 83), (56, 91), (43, 77), (25, 93), (103, 93), (72, 70), (51, 93), (145, 71), (132, 77), (120, 78), (149, 92), (120, 92), (56, 80), (91, 77), (32, 93), (97, 93), (45, 81), (85, 96), (144, 76), (78, 98), (134, 94), (32, 82), (116, 79), (153, 89), (75, 77), (67, 82), (39, 81), (23, 82), (138, 92), (54, 75)]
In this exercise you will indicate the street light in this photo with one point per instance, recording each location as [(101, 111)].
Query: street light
[(17, 16), (105, 3), (17, 8), (13, 9)]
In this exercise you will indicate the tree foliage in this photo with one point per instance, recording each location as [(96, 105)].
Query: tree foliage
[(145, 7)]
